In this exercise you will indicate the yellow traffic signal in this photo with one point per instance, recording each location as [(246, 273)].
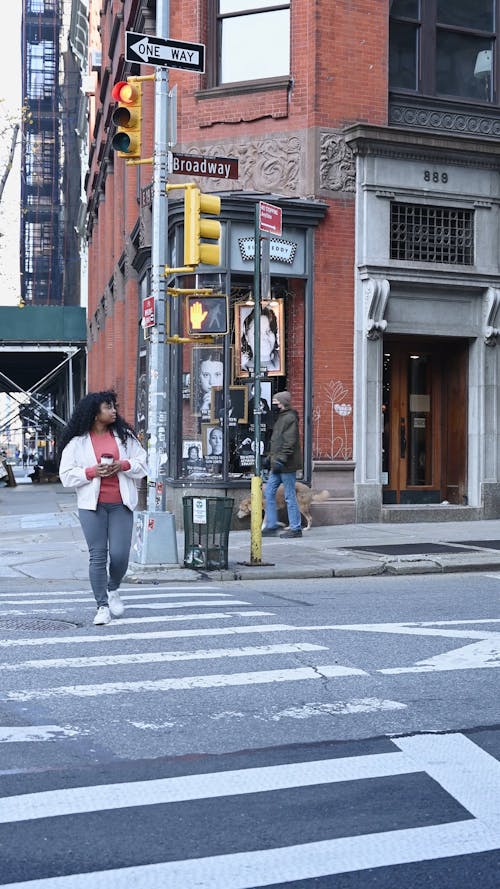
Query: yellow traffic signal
[(198, 230), (127, 118)]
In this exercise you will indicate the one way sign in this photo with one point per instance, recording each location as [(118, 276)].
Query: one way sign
[(164, 53)]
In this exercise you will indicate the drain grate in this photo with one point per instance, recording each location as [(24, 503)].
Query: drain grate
[(14, 623), (10, 552)]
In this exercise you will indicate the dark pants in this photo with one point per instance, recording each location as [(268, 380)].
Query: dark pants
[(108, 531)]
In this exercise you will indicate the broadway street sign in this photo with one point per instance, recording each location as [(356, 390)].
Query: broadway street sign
[(164, 53), (208, 167)]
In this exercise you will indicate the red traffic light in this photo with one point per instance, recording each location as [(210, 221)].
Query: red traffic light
[(125, 92), (127, 118)]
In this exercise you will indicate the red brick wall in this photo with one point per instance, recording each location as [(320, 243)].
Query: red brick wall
[(339, 70)]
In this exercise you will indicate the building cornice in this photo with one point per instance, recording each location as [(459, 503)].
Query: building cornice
[(382, 141)]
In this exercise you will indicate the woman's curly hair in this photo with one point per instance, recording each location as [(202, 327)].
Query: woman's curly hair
[(83, 417)]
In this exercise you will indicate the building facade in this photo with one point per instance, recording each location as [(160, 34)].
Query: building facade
[(374, 128)]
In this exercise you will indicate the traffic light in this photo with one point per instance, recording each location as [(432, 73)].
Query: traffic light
[(206, 315), (127, 118), (196, 228)]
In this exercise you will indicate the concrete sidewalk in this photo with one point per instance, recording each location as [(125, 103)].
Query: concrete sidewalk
[(40, 538)]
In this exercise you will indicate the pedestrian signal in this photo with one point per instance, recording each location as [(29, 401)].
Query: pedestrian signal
[(206, 315)]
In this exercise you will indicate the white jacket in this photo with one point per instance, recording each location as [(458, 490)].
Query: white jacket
[(79, 455)]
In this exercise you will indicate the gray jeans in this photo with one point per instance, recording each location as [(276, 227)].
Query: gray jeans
[(108, 529)]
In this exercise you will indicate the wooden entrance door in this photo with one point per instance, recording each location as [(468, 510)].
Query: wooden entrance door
[(425, 421)]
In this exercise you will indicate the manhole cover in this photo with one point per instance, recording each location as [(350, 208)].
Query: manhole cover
[(13, 623)]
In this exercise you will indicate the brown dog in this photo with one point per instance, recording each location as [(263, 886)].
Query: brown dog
[(305, 496)]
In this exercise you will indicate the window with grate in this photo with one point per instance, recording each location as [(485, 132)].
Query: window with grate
[(432, 234)]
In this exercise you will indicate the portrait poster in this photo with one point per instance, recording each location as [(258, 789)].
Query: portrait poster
[(207, 371), (236, 409), (265, 402), (192, 456), (212, 443), (272, 338)]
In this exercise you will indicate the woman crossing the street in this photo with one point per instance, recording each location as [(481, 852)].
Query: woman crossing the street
[(102, 459)]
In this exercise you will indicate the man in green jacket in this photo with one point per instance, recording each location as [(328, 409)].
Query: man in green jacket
[(286, 459)]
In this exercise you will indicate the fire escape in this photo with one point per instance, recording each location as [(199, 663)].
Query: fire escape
[(41, 260)]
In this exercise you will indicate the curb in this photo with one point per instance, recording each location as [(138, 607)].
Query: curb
[(270, 572)]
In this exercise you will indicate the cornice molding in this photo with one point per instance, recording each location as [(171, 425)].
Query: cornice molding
[(419, 114)]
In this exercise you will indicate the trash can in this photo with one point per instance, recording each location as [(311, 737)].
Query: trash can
[(207, 522)]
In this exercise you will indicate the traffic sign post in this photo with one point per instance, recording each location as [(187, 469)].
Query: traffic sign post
[(270, 218), (155, 537), (164, 53)]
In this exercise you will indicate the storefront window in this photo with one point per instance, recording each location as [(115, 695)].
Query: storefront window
[(218, 384)]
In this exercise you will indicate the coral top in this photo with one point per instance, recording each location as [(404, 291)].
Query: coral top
[(110, 487)]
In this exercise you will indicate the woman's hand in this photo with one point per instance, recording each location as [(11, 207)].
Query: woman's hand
[(104, 470)]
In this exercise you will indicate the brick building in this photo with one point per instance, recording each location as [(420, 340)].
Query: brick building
[(374, 127)]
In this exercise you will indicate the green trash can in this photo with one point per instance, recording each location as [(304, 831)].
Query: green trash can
[(207, 522)]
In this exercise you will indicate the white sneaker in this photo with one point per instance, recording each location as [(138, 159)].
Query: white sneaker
[(116, 605), (102, 617)]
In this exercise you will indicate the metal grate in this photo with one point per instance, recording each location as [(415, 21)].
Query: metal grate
[(432, 234), (33, 625)]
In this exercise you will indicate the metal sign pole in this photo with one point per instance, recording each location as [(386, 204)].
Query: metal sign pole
[(155, 540), (256, 484)]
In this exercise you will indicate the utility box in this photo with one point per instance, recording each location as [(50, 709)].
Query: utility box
[(207, 522)]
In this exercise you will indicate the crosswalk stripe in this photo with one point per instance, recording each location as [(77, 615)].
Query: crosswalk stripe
[(221, 680), (156, 657), (213, 603), (160, 634), (250, 870), (188, 618), (137, 588), (100, 797), (467, 772), (17, 734), (46, 600)]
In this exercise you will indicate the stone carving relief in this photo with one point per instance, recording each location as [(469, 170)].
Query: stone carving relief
[(267, 165), (145, 226), (376, 292), (337, 169), (491, 332)]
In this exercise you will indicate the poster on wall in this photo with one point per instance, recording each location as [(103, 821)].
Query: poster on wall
[(207, 371), (236, 405), (272, 338), (265, 402), (192, 457)]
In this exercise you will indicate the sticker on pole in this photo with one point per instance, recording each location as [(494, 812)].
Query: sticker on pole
[(199, 511), (148, 311), (270, 218)]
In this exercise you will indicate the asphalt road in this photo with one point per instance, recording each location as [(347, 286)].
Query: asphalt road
[(334, 734)]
